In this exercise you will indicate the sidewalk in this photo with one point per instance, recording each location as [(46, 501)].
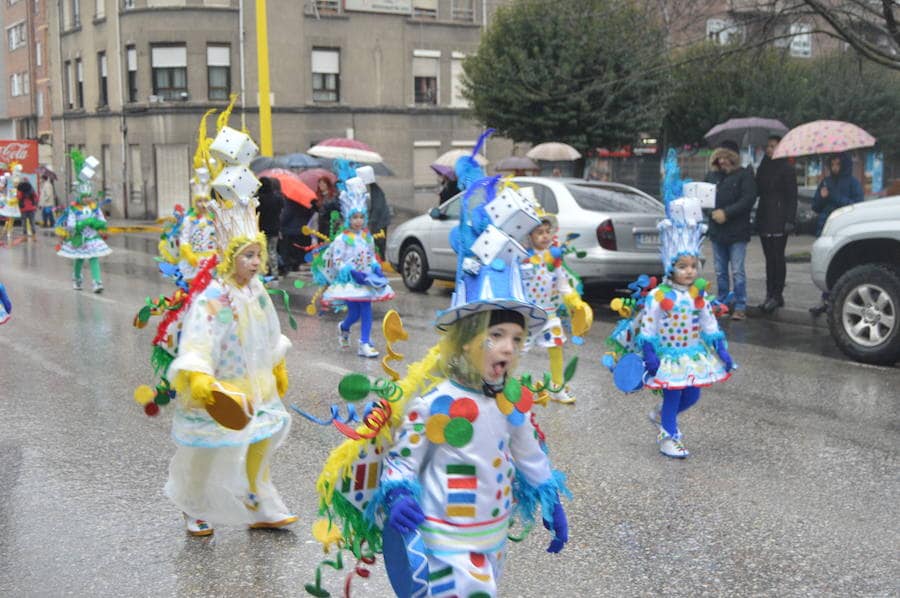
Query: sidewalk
[(799, 293)]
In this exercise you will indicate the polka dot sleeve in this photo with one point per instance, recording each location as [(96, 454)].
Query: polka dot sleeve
[(411, 444)]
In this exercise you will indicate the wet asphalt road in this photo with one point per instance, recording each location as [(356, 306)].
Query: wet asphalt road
[(790, 491)]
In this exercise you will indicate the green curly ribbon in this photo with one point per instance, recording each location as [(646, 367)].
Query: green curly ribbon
[(287, 305)]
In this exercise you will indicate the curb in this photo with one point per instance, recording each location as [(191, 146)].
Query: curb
[(791, 315)]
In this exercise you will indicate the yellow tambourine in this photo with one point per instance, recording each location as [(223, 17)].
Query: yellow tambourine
[(230, 407)]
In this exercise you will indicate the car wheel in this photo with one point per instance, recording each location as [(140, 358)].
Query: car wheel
[(863, 313), (414, 268)]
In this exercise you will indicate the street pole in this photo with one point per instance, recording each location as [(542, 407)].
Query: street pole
[(265, 102)]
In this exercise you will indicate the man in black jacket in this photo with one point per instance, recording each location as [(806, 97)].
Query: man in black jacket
[(271, 202), (775, 217), (729, 228)]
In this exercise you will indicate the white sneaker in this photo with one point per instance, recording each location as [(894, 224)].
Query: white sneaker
[(98, 286), (197, 527), (268, 514), (655, 416), (564, 396), (366, 350), (671, 446), (343, 337), (77, 284)]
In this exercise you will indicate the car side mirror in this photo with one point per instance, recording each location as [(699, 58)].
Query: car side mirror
[(436, 214)]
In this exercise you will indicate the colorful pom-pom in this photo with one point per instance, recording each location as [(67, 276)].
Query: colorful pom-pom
[(144, 395), (659, 295), (616, 304), (701, 284), (667, 304), (354, 387), (699, 302), (151, 409), (694, 292)]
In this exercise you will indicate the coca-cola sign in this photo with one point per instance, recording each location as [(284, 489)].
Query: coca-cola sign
[(24, 152)]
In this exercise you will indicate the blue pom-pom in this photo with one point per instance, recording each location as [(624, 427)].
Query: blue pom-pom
[(577, 340), (498, 265), (556, 252), (608, 362)]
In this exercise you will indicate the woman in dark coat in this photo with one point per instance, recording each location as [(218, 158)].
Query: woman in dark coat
[(775, 218), (293, 218)]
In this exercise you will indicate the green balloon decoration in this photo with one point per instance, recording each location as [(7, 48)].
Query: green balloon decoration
[(354, 387)]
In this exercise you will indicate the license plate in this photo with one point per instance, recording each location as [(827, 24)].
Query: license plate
[(647, 239)]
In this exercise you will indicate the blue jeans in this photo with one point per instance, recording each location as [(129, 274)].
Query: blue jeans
[(731, 255)]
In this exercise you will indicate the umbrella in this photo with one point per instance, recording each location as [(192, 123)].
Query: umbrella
[(513, 163), (378, 167), (45, 171), (822, 137), (450, 158), (261, 163), (745, 131), (444, 171), (292, 186), (349, 149), (311, 177), (298, 160), (554, 151)]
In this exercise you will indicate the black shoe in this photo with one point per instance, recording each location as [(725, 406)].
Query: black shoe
[(818, 310), (769, 306), (780, 300)]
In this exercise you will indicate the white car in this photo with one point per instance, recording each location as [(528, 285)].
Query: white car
[(856, 261), (616, 224)]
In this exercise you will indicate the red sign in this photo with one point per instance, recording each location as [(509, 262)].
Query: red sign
[(23, 151)]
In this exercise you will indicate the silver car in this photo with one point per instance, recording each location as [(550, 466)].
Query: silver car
[(616, 224)]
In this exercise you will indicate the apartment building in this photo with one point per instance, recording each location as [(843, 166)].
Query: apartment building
[(26, 84), (136, 76)]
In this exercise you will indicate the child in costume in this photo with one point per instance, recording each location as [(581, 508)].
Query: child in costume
[(464, 456), (9, 205), (550, 284), (81, 224), (351, 269), (197, 235), (674, 328), (229, 374), (5, 305)]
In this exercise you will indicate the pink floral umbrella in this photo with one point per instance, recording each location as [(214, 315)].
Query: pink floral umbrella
[(822, 137)]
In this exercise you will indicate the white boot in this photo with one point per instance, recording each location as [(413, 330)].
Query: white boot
[(98, 286), (343, 337), (366, 350), (671, 446), (564, 396), (268, 513), (197, 527), (77, 284)]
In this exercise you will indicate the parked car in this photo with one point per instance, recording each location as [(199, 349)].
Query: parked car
[(857, 261), (616, 224), (805, 220)]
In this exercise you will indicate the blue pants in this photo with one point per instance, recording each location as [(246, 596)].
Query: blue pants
[(674, 402), (357, 310), (731, 256)]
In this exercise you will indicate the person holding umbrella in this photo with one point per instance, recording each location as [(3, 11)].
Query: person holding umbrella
[(449, 189), (775, 218), (271, 204)]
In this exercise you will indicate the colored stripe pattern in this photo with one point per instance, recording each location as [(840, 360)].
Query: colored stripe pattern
[(462, 486)]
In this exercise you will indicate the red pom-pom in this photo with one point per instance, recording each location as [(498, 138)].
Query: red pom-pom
[(667, 304), (151, 409), (699, 302), (58, 246), (653, 282)]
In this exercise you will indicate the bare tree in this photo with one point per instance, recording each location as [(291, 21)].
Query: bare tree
[(868, 26)]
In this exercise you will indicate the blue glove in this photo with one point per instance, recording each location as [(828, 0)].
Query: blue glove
[(4, 298), (560, 528), (651, 361), (406, 514), (722, 351), (359, 277)]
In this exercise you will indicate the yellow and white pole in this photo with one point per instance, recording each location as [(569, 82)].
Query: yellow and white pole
[(262, 60)]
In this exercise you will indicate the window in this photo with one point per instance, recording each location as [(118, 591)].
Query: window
[(801, 40), (218, 71), (15, 85), (722, 31), (425, 9), (463, 10), (604, 199), (79, 84), (425, 76), (101, 68), (128, 4), (169, 64), (39, 103), (15, 36), (70, 85), (456, 75), (326, 74), (99, 9), (76, 13), (131, 55), (26, 83), (424, 155), (38, 53), (328, 7)]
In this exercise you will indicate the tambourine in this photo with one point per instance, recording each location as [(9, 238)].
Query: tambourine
[(628, 373), (230, 407), (406, 562)]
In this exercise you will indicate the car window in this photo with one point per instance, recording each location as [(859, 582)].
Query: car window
[(607, 199), (545, 197), (451, 207)]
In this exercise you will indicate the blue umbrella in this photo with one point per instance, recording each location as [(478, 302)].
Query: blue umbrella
[(298, 160)]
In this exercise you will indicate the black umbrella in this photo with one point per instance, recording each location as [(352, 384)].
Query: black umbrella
[(753, 131)]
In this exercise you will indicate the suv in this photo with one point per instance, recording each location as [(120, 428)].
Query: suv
[(857, 262)]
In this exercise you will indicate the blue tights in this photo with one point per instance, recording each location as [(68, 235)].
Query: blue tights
[(674, 402), (357, 310)]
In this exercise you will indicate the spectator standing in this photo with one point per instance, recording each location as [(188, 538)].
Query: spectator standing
[(271, 205), (326, 205), (729, 228), (775, 219), (293, 218), (28, 203), (838, 188), (379, 217), (449, 188), (47, 201)]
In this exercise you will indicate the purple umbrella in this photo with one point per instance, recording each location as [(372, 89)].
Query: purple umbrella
[(444, 171), (753, 131), (514, 163)]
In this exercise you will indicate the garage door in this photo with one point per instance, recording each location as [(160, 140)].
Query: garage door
[(172, 163)]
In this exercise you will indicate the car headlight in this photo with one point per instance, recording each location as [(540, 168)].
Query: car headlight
[(832, 216)]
